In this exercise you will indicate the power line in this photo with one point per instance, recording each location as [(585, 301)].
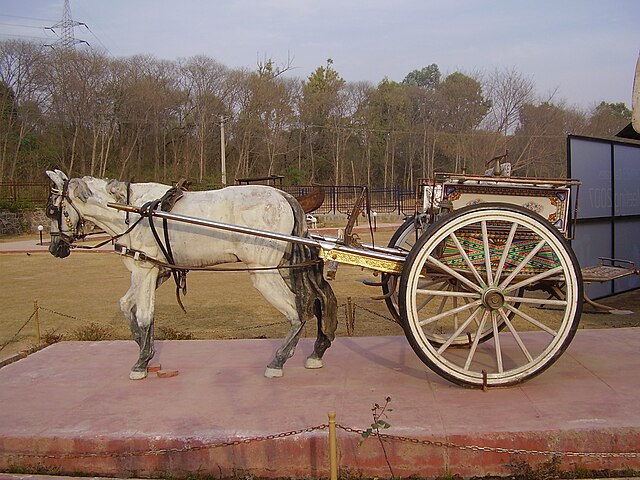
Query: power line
[(27, 18), (99, 41), (20, 25), (15, 35)]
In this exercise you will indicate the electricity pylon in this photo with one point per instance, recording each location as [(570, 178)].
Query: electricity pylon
[(66, 37)]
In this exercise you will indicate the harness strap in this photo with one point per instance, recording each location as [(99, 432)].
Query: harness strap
[(143, 257), (126, 218), (166, 203)]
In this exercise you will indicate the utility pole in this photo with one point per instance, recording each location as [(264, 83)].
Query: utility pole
[(66, 37), (222, 152)]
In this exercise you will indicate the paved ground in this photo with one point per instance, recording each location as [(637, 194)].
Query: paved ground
[(71, 408)]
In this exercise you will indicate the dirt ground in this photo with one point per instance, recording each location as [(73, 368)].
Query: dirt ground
[(85, 288)]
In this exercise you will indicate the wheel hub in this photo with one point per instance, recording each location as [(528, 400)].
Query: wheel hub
[(493, 299)]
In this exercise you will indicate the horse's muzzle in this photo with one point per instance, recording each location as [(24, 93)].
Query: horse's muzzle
[(59, 247)]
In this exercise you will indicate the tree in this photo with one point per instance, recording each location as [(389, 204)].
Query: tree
[(508, 92), (428, 77), (319, 111), (539, 143), (461, 107), (204, 82), (22, 96), (607, 119)]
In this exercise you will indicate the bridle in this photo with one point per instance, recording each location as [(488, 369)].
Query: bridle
[(67, 230)]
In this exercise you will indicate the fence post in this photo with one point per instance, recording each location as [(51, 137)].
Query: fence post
[(351, 317), (36, 311), (333, 448)]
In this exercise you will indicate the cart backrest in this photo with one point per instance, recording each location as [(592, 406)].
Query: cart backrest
[(551, 202)]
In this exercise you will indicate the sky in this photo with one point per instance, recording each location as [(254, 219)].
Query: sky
[(582, 51)]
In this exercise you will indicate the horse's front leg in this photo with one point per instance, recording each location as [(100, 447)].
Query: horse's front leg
[(138, 308)]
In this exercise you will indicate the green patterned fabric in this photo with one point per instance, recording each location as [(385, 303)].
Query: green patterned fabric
[(521, 246)]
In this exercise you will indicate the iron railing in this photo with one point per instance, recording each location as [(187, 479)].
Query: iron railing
[(339, 199)]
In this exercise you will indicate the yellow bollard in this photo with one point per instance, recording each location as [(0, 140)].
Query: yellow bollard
[(333, 449), (36, 311)]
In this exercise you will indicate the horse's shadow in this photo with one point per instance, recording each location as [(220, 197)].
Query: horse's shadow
[(397, 363)]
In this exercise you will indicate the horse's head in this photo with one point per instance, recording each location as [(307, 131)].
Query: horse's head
[(66, 220)]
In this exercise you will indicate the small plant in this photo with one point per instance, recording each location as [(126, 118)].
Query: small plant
[(51, 336), (378, 412), (523, 471), (93, 332), (171, 333)]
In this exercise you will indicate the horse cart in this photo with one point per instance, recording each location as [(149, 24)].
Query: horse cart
[(482, 278)]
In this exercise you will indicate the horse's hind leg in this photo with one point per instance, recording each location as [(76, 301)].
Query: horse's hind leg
[(275, 291), (325, 309), (138, 308), (320, 346)]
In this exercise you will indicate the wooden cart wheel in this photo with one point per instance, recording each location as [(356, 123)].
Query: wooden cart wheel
[(507, 260), (405, 238)]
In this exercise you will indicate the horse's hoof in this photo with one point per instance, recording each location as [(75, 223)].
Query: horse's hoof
[(313, 363), (273, 372), (137, 375)]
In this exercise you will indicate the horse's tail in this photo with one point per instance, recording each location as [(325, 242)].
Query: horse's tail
[(314, 295)]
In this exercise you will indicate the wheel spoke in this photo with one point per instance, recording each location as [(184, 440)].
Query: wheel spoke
[(425, 301), (531, 320), (505, 251), (536, 278), (447, 293), (487, 252), (459, 330), (516, 336), (431, 283), (443, 302), (454, 274), (540, 301), (496, 341), (461, 308), (466, 258), (523, 264), (476, 341)]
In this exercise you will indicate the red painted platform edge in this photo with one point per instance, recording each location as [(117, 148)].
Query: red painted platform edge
[(306, 455)]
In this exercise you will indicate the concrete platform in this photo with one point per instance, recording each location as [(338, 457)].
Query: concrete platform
[(71, 409)]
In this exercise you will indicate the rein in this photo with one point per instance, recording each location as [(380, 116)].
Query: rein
[(108, 240)]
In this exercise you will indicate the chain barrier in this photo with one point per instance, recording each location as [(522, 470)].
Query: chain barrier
[(375, 313), (349, 309), (168, 451), (324, 426), (61, 314), (19, 330), (478, 448)]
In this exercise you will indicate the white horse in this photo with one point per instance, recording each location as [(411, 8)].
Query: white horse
[(299, 292)]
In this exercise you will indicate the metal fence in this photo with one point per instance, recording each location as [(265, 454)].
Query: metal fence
[(24, 194), (339, 199)]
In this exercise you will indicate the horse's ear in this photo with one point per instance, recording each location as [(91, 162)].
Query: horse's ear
[(118, 190), (80, 189), (58, 177), (62, 174)]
